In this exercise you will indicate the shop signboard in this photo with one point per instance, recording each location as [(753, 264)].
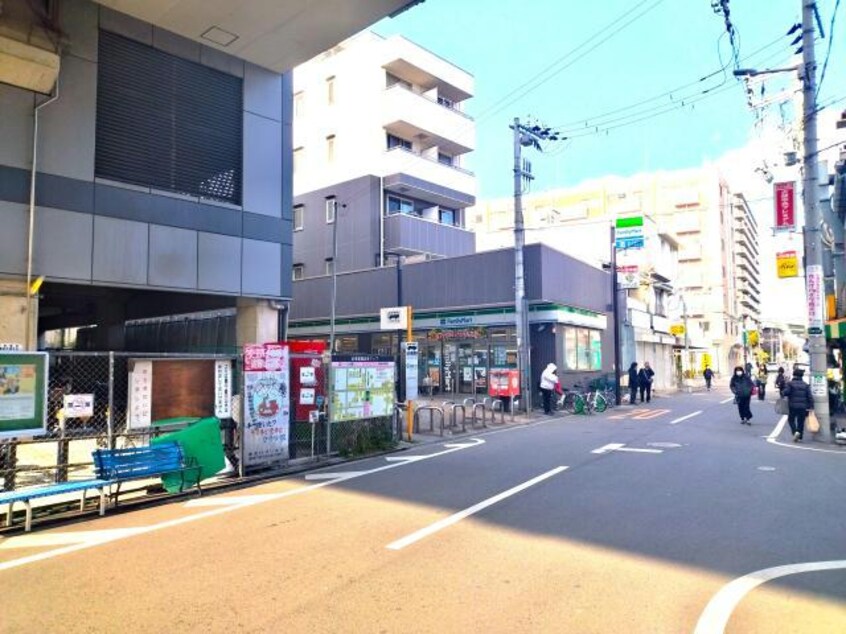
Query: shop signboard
[(23, 393), (787, 263), (394, 318), (814, 283), (223, 388), (705, 361), (362, 386), (628, 276), (140, 394), (266, 405), (677, 330), (412, 371), (784, 195), (78, 405)]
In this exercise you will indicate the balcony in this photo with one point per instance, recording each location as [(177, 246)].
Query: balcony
[(414, 175), (412, 235), (421, 67), (422, 120)]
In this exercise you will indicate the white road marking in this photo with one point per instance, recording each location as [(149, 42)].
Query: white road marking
[(228, 500), (42, 540), (608, 448), (636, 450), (728, 400), (457, 517), (103, 539), (766, 468), (407, 459), (719, 609), (335, 475), (776, 432), (691, 415), (665, 445)]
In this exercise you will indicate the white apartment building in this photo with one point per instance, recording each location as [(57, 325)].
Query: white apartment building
[(380, 143)]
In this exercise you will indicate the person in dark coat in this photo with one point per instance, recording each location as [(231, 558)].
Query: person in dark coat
[(709, 376), (644, 381), (633, 382), (741, 386), (800, 401), (761, 382)]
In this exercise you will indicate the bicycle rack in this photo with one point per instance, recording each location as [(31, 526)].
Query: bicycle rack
[(429, 408), (453, 408), (476, 406), (496, 406)]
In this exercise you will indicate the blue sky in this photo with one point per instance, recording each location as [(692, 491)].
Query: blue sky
[(505, 43)]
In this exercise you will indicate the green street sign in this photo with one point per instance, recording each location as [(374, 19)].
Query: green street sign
[(630, 221)]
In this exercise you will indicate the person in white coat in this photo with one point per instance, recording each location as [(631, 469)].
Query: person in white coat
[(548, 381)]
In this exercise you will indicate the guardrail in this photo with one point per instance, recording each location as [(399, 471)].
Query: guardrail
[(429, 408)]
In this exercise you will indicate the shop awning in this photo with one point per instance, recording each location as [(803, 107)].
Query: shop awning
[(836, 329)]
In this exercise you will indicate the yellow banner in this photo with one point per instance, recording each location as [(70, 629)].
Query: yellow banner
[(788, 264), (677, 330), (705, 360)]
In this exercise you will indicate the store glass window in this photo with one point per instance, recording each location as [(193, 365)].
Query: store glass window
[(582, 349), (583, 337), (571, 351), (595, 350)]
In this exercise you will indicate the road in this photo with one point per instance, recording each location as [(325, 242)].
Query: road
[(668, 517)]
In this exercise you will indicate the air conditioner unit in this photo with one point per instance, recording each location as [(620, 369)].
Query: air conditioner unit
[(27, 66)]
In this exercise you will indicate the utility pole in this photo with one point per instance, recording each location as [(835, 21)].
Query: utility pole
[(813, 237), (615, 312), (523, 136), (334, 275)]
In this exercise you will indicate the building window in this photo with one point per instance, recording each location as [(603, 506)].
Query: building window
[(298, 217), (447, 103), (395, 141), (582, 349), (299, 153), (330, 148), (167, 123), (331, 208), (299, 104), (397, 205), (297, 271), (330, 90), (393, 80), (446, 216), (446, 159), (330, 266)]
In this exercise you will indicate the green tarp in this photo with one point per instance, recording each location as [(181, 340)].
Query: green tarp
[(201, 441)]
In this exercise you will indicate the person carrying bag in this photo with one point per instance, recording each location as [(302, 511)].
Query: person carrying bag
[(800, 402)]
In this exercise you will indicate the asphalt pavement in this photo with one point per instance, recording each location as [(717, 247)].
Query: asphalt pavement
[(663, 517)]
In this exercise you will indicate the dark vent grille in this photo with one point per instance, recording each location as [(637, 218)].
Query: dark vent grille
[(167, 123)]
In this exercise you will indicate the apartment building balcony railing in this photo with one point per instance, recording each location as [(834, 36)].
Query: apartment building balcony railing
[(428, 179), (418, 118), (414, 235)]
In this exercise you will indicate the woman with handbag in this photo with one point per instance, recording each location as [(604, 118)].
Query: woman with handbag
[(800, 401)]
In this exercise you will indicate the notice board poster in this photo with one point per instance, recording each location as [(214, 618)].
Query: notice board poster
[(362, 387), (266, 405), (23, 393)]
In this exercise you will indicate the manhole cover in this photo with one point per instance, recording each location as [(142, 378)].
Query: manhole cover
[(766, 469), (665, 445)]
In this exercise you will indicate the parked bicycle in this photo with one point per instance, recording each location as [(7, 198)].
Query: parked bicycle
[(579, 401)]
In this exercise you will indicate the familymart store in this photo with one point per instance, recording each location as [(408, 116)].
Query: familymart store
[(459, 348)]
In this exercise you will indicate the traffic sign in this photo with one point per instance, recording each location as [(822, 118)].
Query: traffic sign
[(629, 243)]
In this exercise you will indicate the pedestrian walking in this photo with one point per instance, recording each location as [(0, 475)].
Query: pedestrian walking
[(763, 375), (709, 376), (800, 402), (741, 386), (633, 381), (644, 380), (548, 381), (780, 381)]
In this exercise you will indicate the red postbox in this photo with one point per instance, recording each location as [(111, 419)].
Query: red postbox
[(503, 382)]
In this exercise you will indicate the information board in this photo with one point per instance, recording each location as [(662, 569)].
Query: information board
[(362, 387), (23, 393), (266, 405)]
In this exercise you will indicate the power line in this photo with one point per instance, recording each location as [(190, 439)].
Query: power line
[(828, 49)]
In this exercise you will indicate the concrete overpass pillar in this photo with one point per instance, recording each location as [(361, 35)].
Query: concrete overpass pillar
[(256, 322), (13, 299)]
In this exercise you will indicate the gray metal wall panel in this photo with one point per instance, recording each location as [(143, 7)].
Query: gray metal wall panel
[(287, 145), (64, 193), (14, 185), (120, 251), (13, 219), (262, 165), (67, 126), (259, 227), (176, 45), (79, 19), (15, 127), (262, 92), (286, 288), (261, 264), (63, 245), (564, 276), (408, 232), (219, 263), (219, 60), (122, 24), (173, 257)]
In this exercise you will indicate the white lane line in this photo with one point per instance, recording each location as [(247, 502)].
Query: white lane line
[(334, 475), (728, 400), (636, 450), (23, 561), (457, 517), (614, 446), (42, 540), (228, 500), (683, 418), (776, 432), (719, 609), (406, 459)]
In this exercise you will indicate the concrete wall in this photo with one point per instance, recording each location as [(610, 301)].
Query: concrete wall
[(109, 234)]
